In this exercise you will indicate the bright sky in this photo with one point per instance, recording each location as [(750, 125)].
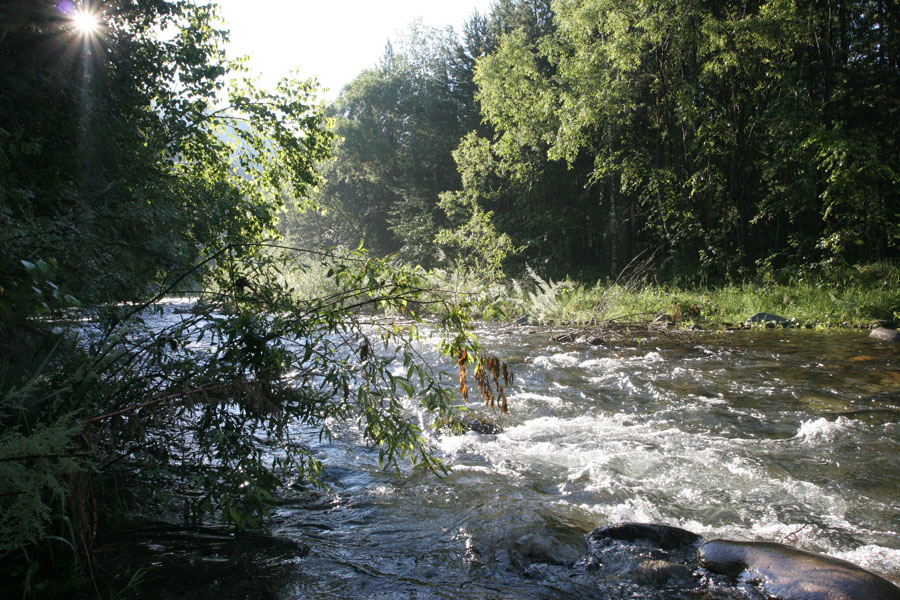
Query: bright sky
[(333, 40)]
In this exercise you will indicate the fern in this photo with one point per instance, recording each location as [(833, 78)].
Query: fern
[(34, 470), (545, 302)]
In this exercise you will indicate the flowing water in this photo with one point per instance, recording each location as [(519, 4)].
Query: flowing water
[(782, 435)]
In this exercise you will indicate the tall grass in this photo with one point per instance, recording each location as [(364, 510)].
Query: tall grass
[(855, 297), (860, 301)]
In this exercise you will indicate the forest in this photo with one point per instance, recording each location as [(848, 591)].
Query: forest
[(720, 143), (730, 140)]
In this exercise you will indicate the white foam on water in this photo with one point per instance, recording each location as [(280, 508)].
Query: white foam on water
[(609, 363), (561, 359), (639, 467), (632, 510), (531, 397), (601, 364), (474, 469), (717, 401), (877, 559), (822, 430), (651, 357)]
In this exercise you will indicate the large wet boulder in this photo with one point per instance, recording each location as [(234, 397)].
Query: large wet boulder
[(664, 537), (661, 562), (787, 573), (768, 319), (885, 334)]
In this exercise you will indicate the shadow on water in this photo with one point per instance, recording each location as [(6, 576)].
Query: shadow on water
[(779, 435)]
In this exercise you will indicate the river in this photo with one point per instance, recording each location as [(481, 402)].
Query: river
[(781, 435)]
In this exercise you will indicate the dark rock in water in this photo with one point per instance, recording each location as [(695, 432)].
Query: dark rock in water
[(884, 334), (664, 537), (593, 340), (476, 423), (660, 561), (545, 548), (787, 573), (521, 321), (657, 572), (658, 557), (769, 319), (564, 338), (664, 320)]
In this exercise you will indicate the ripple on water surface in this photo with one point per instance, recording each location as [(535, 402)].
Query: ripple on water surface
[(774, 435), (733, 436)]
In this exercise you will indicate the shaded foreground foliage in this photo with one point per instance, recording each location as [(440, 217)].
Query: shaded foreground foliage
[(128, 171)]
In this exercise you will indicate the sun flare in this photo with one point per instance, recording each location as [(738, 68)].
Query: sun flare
[(86, 22)]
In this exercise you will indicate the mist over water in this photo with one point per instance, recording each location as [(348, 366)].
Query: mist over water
[(783, 435)]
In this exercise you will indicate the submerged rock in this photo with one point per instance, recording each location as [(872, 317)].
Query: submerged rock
[(658, 557), (475, 423), (769, 319), (787, 573), (886, 335), (663, 572)]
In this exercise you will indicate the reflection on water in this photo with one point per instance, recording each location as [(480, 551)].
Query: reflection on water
[(776, 435)]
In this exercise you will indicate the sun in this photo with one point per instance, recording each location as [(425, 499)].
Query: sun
[(86, 22)]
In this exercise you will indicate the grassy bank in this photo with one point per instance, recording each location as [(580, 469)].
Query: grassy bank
[(861, 298)]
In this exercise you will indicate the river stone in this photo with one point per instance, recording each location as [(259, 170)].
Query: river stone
[(652, 559), (664, 537), (664, 320), (475, 423), (787, 573), (885, 334), (564, 338), (659, 572), (770, 320)]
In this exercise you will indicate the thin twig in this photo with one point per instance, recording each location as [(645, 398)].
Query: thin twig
[(795, 532), (153, 401)]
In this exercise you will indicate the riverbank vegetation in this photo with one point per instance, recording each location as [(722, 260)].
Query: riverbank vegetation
[(864, 297), (568, 162), (733, 141), (130, 170)]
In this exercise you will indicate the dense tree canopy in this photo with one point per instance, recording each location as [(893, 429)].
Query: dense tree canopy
[(730, 139), (720, 140), (123, 160), (397, 125)]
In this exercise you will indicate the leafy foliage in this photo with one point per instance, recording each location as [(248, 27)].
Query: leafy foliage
[(259, 373), (128, 171), (723, 136), (396, 125)]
